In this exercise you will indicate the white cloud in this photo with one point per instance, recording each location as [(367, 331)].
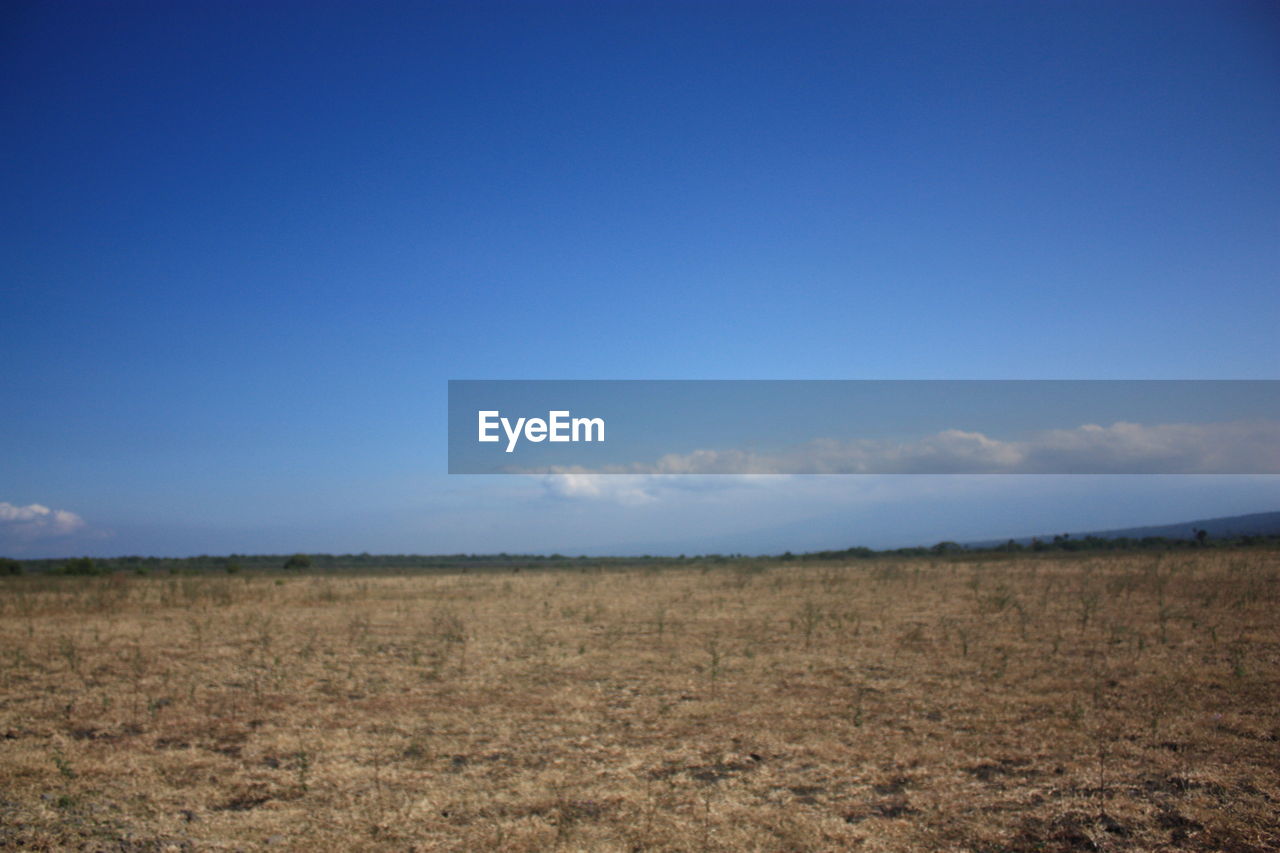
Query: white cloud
[(638, 489), (629, 491), (36, 522)]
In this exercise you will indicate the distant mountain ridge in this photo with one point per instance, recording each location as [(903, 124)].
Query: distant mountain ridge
[(1254, 524)]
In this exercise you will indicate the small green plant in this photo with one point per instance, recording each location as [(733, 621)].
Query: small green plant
[(717, 657), (302, 768), (1235, 653), (67, 648), (1163, 615), (1088, 600), (64, 767)]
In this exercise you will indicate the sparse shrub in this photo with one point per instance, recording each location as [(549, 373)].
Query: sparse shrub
[(809, 618), (449, 627), (298, 561)]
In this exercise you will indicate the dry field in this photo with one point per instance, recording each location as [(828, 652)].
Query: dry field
[(1072, 703)]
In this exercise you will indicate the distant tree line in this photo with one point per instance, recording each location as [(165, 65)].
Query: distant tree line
[(235, 563)]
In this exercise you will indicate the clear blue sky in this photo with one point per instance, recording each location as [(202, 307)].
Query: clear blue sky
[(246, 245)]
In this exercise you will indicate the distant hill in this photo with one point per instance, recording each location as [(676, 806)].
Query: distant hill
[(1254, 524)]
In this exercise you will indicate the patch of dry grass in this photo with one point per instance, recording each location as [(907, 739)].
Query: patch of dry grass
[(1039, 704)]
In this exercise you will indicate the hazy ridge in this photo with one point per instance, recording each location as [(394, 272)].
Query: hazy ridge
[(1253, 524)]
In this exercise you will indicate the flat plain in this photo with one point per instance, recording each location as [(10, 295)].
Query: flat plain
[(1055, 703)]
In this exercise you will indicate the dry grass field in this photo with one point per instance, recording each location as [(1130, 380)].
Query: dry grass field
[(1067, 703)]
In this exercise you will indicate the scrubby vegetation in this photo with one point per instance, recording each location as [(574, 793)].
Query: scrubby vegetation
[(450, 563)]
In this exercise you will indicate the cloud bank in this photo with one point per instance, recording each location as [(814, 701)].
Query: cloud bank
[(25, 523), (1122, 448)]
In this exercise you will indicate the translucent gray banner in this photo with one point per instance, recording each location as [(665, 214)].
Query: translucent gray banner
[(756, 427)]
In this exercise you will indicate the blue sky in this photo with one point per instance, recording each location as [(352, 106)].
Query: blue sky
[(246, 246)]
